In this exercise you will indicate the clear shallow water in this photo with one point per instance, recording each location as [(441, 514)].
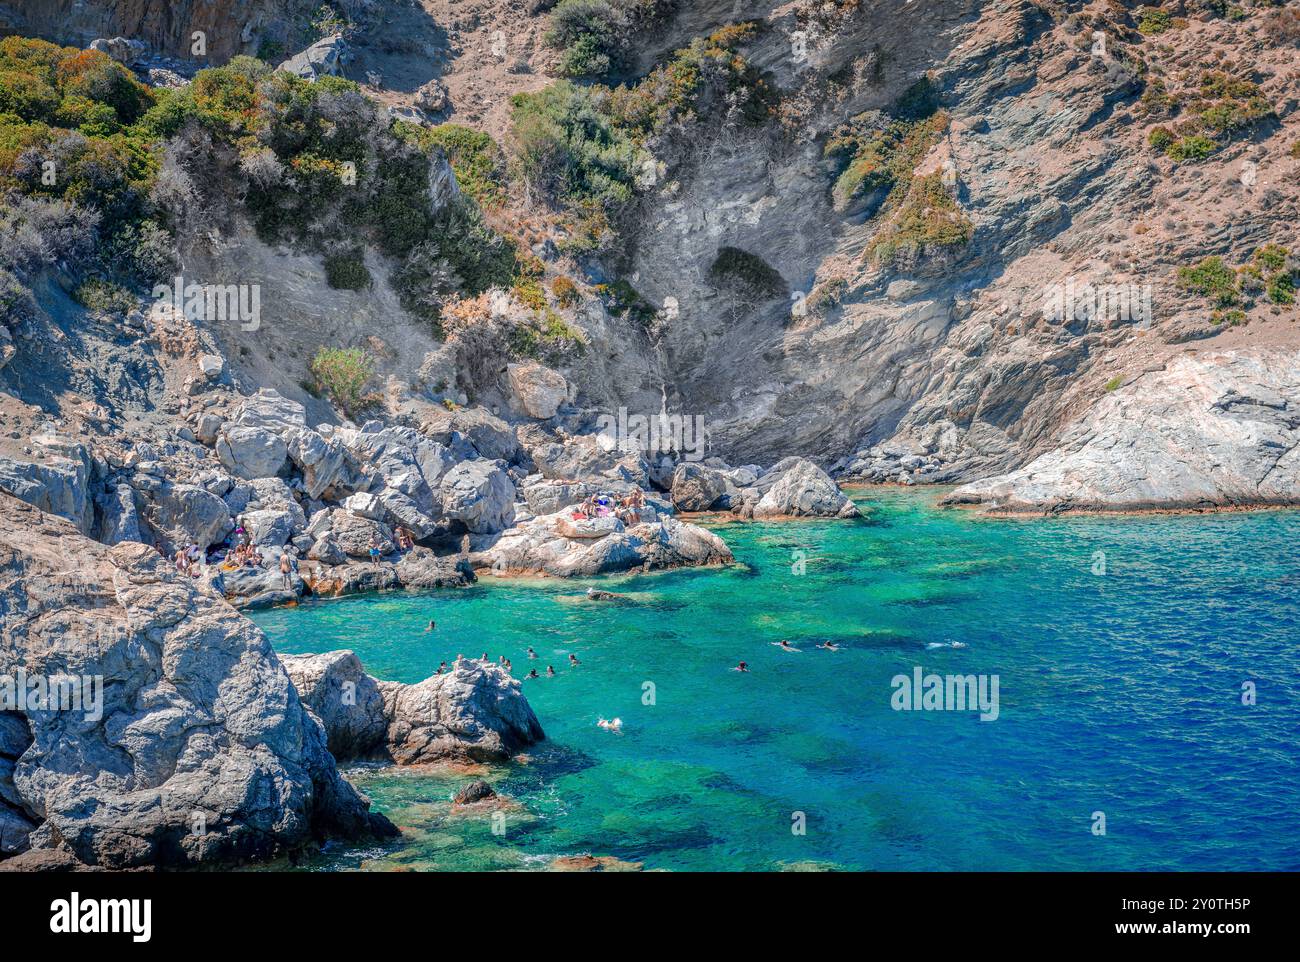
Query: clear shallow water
[(1119, 693)]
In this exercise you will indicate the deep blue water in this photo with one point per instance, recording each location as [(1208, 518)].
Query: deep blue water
[(1119, 693)]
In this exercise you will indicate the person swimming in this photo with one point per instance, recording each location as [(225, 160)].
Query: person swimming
[(784, 645), (743, 666), (532, 673), (550, 672), (531, 653), (615, 726), (829, 646), (442, 668), (573, 660), (431, 625)]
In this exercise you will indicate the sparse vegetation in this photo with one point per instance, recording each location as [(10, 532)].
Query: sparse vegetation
[(1211, 278), (928, 219), (1114, 383), (1270, 273), (97, 294), (588, 149), (342, 375), (347, 271), (596, 37), (474, 156), (1221, 108)]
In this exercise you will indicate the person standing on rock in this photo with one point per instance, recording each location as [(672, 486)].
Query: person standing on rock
[(285, 570), (374, 551)]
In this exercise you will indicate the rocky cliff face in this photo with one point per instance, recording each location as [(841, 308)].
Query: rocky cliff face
[(229, 27), (186, 733)]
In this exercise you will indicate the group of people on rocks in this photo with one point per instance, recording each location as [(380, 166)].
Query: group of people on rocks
[(505, 662), (627, 509), (189, 560), (401, 535)]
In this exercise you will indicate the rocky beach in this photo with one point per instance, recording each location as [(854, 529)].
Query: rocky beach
[(320, 314)]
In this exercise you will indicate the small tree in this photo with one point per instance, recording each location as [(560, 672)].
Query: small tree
[(342, 373)]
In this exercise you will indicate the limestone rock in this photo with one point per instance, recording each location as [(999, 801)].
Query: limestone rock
[(197, 716), (475, 712), (536, 390), (696, 487), (1212, 430), (480, 495), (798, 488), (251, 452)]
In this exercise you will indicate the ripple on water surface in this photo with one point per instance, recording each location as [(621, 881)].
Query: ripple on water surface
[(1118, 692)]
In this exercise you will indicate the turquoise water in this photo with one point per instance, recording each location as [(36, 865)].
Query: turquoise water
[(1119, 693)]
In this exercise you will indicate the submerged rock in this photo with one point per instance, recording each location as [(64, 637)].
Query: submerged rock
[(476, 791)]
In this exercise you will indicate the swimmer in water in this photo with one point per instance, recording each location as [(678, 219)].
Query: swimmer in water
[(573, 660), (784, 645), (615, 726), (532, 674), (531, 653), (829, 646), (743, 666), (431, 625), (550, 672)]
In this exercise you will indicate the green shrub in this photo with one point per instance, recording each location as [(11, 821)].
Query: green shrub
[(97, 294), (928, 218), (1233, 317), (746, 274), (1153, 20), (474, 156), (1194, 147), (1281, 289), (1161, 139), (1114, 383), (1211, 278), (622, 299), (597, 36), (347, 271), (342, 375)]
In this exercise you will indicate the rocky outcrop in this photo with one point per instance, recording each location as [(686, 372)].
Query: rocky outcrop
[(697, 487), (193, 745), (57, 481), (565, 547), (1215, 430), (475, 712), (480, 495), (324, 58), (797, 488), (537, 391)]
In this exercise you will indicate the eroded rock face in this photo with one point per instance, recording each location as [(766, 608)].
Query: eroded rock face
[(475, 712), (536, 390), (696, 487), (1209, 431), (186, 513), (200, 748), (251, 452), (57, 481), (480, 495)]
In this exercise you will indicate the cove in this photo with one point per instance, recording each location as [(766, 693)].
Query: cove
[(1119, 693)]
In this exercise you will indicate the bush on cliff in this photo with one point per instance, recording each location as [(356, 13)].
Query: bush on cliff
[(342, 375)]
